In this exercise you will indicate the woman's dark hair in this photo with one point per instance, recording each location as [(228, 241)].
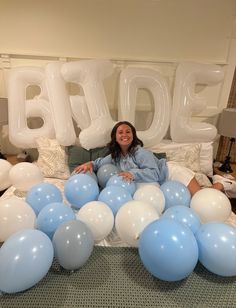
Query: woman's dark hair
[(114, 147)]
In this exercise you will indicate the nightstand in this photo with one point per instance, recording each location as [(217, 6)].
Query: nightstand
[(217, 171), (233, 166)]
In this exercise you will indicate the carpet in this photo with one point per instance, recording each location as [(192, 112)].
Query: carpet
[(116, 277)]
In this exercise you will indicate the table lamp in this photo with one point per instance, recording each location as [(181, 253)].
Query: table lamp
[(227, 128), (3, 116)]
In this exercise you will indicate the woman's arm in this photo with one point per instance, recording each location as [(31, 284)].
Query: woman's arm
[(93, 165), (150, 169)]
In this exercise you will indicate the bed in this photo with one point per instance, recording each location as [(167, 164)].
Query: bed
[(57, 162)]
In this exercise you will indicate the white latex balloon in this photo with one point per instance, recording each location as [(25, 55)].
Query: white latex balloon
[(89, 74), (139, 185), (186, 102), (15, 215), (151, 194), (132, 79), (24, 175), (5, 167), (80, 111), (98, 217), (60, 104), (211, 205), (20, 109), (132, 218)]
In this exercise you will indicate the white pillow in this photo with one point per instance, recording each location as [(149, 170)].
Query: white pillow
[(187, 156), (205, 156), (52, 160)]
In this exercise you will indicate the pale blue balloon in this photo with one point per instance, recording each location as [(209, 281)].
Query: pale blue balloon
[(117, 180), (114, 197), (217, 248), (80, 189), (25, 258), (168, 249), (52, 215), (73, 244), (175, 193), (41, 195), (185, 215), (93, 175), (105, 172)]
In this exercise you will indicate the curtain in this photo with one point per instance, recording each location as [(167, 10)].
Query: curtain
[(224, 141)]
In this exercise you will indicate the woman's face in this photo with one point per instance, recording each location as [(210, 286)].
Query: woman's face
[(124, 135)]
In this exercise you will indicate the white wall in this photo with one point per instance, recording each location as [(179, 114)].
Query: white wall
[(153, 33), (121, 29)]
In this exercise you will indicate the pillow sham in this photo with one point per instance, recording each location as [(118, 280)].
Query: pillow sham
[(52, 159), (187, 156), (78, 155)]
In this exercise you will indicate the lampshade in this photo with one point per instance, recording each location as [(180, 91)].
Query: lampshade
[(3, 111), (227, 123)]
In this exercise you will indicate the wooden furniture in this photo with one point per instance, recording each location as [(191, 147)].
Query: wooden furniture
[(233, 165), (233, 174)]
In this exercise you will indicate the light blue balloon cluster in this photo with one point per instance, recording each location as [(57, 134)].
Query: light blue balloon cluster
[(25, 259), (168, 249), (41, 195), (114, 197), (53, 215), (105, 172), (175, 193), (117, 180), (184, 215), (217, 248), (80, 189)]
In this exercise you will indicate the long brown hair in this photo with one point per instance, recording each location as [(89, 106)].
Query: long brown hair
[(114, 147)]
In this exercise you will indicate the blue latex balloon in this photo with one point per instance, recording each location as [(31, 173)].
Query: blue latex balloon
[(117, 180), (42, 194), (184, 215), (114, 197), (217, 248), (168, 249), (52, 215), (93, 175), (80, 189), (175, 193), (105, 172), (73, 244), (25, 258)]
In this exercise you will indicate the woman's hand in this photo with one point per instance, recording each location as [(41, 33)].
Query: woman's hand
[(84, 168), (127, 176)]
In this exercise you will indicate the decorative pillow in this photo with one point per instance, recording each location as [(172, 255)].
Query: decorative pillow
[(78, 155), (187, 156), (160, 155), (52, 160)]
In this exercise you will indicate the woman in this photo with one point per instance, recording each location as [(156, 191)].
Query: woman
[(138, 164)]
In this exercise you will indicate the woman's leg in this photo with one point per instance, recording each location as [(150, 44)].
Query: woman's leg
[(194, 187), (186, 176)]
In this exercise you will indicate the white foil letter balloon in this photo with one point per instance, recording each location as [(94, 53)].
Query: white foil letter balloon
[(89, 74), (132, 79), (187, 103), (21, 109), (60, 104)]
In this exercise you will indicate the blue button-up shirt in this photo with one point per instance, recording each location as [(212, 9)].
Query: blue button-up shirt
[(142, 164)]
